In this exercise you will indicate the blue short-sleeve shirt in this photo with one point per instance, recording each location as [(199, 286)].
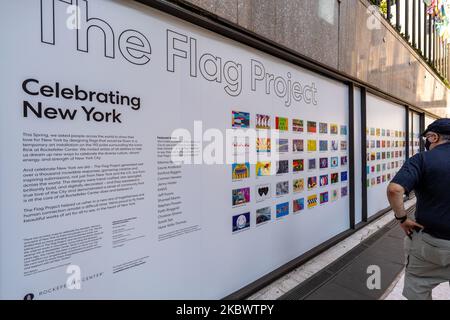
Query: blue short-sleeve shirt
[(428, 174)]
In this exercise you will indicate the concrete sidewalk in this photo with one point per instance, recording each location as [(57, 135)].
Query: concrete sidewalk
[(327, 267), (347, 277)]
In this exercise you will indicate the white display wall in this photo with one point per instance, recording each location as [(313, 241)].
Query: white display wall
[(386, 141), (90, 197)]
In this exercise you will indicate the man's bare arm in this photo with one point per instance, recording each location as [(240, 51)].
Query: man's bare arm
[(395, 194)]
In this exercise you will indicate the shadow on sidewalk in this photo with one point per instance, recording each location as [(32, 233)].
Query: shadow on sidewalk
[(346, 278)]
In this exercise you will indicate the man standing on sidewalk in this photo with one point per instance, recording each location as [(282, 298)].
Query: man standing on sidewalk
[(428, 243)]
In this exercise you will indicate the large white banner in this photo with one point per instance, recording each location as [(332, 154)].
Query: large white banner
[(98, 98)]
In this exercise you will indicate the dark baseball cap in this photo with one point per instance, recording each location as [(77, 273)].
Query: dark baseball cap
[(441, 126)]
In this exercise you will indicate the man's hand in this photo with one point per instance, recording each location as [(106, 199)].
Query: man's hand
[(409, 225)]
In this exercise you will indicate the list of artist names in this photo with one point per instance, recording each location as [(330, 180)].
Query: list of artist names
[(171, 220)]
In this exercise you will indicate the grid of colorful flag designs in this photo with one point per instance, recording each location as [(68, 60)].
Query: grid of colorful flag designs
[(312, 170), (385, 154)]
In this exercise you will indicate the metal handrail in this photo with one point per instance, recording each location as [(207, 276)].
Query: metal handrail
[(424, 37)]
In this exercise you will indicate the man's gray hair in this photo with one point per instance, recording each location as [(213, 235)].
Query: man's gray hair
[(445, 137)]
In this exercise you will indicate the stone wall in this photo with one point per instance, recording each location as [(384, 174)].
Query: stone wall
[(336, 33)]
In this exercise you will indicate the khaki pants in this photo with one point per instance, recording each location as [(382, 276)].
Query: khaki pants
[(427, 265)]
